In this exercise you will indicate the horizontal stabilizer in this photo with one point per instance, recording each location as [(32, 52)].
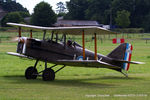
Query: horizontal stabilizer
[(132, 62)]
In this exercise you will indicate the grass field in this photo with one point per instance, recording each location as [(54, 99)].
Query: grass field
[(77, 83)]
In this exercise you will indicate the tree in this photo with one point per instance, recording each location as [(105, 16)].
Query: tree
[(12, 6), (76, 9), (24, 14), (138, 9), (14, 17), (105, 11), (43, 15), (141, 10), (119, 5), (122, 18), (146, 23), (98, 10), (61, 7)]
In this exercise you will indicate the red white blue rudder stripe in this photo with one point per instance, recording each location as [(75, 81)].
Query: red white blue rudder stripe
[(127, 56)]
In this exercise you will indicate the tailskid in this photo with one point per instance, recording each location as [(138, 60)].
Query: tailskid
[(124, 73)]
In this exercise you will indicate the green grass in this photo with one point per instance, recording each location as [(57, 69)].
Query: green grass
[(75, 83)]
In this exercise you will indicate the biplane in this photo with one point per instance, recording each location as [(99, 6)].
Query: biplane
[(67, 52)]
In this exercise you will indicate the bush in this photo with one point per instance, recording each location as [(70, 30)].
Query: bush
[(14, 17)]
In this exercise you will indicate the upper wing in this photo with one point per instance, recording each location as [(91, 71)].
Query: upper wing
[(86, 63), (66, 30)]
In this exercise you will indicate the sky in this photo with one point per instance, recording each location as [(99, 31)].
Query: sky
[(30, 4)]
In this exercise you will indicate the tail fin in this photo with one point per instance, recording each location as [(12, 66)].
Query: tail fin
[(122, 55)]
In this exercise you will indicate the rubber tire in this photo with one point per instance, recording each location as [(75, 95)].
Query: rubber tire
[(29, 73), (48, 74)]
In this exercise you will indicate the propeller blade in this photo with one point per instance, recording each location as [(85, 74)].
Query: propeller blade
[(14, 39)]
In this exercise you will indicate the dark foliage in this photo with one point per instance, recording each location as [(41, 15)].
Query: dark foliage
[(43, 15), (105, 11), (14, 17), (12, 6)]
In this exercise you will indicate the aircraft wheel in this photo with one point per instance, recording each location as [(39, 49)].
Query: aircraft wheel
[(31, 73), (48, 75)]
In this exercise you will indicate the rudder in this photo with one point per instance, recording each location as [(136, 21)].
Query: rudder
[(122, 52), (128, 54)]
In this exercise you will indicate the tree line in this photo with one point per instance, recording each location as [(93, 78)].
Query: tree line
[(120, 13), (15, 12), (12, 6), (43, 14), (137, 12)]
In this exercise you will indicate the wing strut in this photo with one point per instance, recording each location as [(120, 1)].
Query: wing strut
[(44, 35), (19, 31), (31, 34), (95, 46), (83, 45)]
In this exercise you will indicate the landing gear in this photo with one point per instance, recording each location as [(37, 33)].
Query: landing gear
[(31, 73), (47, 75)]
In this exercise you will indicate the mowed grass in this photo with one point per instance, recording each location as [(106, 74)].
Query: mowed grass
[(75, 83)]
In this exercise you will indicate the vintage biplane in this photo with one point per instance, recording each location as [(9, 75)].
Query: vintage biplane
[(68, 53)]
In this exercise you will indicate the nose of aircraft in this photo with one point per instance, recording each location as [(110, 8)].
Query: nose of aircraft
[(19, 39), (14, 39)]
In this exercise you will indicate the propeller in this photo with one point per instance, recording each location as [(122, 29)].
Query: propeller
[(18, 39), (14, 39)]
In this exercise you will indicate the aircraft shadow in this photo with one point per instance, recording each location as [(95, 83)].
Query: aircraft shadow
[(121, 78), (84, 83)]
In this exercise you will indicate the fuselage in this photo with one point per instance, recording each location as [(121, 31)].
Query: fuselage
[(52, 51)]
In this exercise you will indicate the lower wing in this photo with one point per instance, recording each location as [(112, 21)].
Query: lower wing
[(86, 63), (18, 55), (82, 63)]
